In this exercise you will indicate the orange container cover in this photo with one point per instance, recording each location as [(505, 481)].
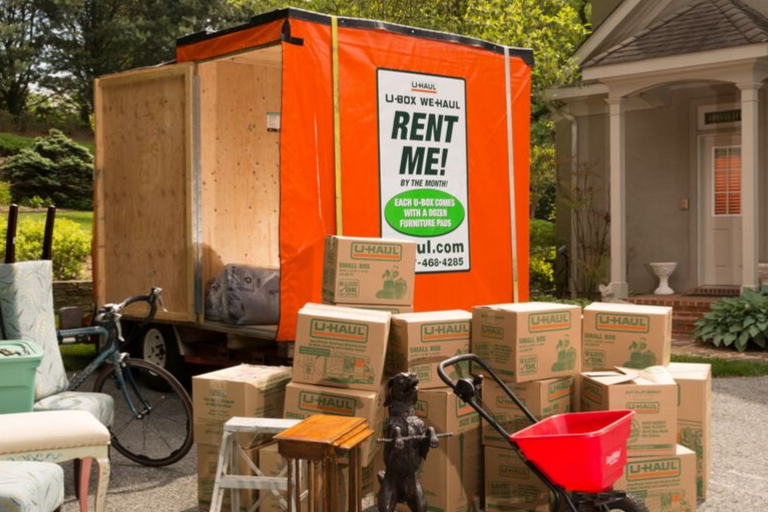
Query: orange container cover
[(424, 154)]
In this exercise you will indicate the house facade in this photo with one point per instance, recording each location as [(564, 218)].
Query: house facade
[(669, 122)]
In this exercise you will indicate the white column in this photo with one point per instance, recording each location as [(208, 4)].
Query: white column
[(618, 202), (749, 185)]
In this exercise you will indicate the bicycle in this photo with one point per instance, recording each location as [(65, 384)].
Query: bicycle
[(153, 412), (577, 456)]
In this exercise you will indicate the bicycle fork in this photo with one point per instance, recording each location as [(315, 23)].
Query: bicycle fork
[(121, 371)]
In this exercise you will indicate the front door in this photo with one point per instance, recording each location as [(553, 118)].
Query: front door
[(721, 176)]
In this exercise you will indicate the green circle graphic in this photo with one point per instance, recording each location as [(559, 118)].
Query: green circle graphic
[(424, 212)]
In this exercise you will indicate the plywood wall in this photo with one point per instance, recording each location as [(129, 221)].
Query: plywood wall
[(143, 228), (240, 162)]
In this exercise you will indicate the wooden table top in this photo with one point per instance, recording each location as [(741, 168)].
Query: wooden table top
[(320, 436)]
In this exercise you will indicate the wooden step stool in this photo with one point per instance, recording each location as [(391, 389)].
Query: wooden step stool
[(228, 457)]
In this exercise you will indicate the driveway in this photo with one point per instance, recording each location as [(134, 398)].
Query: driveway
[(739, 478)]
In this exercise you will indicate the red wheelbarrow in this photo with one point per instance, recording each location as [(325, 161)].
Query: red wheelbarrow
[(578, 456)]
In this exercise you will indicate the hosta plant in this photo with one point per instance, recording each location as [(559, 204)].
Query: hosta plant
[(736, 322)]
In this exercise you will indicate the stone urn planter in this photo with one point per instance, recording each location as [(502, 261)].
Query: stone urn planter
[(663, 271)]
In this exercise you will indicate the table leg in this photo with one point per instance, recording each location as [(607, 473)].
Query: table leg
[(297, 486), (355, 481), (289, 494), (318, 499), (328, 496), (102, 484)]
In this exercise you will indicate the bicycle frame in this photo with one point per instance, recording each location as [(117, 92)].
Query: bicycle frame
[(116, 358)]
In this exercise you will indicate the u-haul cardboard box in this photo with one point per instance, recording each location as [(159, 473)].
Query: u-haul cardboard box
[(271, 463), (543, 398), (651, 393), (393, 309), (626, 335), (510, 485), (207, 462), (528, 341), (244, 390), (368, 271), (451, 475), (666, 483), (340, 347), (303, 401), (693, 415), (418, 342)]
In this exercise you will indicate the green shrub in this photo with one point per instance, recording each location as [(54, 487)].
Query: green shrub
[(542, 256), (737, 322), (71, 246), (35, 202), (54, 167), (583, 302), (5, 193), (10, 144)]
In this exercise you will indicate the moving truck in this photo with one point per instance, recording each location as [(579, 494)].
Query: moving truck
[(258, 141)]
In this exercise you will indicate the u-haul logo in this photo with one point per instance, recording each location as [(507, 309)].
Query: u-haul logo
[(445, 331), (653, 470), (515, 472), (335, 330), (327, 404), (504, 402), (623, 323), (421, 408), (560, 389), (592, 392), (463, 409), (545, 322), (492, 331), (644, 407), (378, 252)]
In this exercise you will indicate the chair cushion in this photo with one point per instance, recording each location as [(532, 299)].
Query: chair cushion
[(26, 305), (50, 430), (101, 405), (31, 486)]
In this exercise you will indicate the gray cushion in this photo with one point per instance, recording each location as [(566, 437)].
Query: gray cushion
[(31, 486), (26, 305), (100, 405)]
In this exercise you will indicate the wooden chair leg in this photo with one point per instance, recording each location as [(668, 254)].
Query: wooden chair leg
[(102, 484), (83, 481)]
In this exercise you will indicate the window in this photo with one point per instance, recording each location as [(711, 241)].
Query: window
[(727, 181)]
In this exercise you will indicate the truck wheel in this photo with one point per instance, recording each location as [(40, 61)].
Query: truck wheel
[(158, 345)]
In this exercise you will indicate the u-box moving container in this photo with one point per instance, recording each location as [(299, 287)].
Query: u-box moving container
[(260, 140)]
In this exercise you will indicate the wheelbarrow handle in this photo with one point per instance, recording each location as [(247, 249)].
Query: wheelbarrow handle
[(467, 389)]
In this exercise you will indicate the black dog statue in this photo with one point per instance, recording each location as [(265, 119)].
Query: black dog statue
[(408, 442)]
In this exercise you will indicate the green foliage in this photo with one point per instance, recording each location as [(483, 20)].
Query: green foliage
[(5, 193), (54, 167), (35, 202), (738, 322), (10, 144), (77, 356), (727, 367), (71, 246), (542, 256), (582, 302)]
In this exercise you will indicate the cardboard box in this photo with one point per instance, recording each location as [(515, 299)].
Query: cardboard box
[(543, 398), (666, 483), (626, 335), (452, 474), (528, 341), (207, 462), (418, 342), (510, 485), (244, 390), (651, 393), (395, 310), (368, 271), (302, 401), (340, 347), (693, 416)]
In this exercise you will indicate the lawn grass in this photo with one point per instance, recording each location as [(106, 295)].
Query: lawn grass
[(727, 367), (84, 219), (76, 356)]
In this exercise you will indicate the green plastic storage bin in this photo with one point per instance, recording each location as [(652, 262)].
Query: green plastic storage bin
[(18, 362)]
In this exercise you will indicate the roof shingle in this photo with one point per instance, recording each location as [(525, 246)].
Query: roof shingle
[(703, 25)]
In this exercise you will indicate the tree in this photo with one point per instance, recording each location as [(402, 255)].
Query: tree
[(97, 37), (24, 30), (53, 167)]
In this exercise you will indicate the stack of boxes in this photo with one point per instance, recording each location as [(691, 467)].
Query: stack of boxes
[(451, 476), (535, 348), (627, 361), (244, 390)]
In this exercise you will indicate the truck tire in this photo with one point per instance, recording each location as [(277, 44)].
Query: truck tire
[(159, 345)]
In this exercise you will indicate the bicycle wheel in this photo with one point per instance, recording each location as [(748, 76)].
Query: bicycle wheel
[(161, 434), (629, 504)]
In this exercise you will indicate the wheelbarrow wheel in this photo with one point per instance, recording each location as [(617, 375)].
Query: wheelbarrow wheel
[(630, 503)]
